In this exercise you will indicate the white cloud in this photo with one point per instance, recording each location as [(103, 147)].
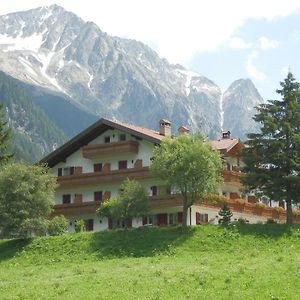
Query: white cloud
[(266, 43), (178, 29), (251, 69), (239, 43)]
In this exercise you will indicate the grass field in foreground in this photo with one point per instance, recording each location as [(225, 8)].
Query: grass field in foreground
[(204, 262)]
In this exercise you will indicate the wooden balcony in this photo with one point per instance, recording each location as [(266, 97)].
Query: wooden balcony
[(232, 177), (93, 151), (103, 177), (76, 209)]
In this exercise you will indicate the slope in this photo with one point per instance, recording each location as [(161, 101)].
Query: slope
[(207, 262), (33, 134)]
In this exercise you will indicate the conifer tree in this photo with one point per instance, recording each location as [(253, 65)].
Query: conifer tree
[(226, 215), (5, 154), (272, 157)]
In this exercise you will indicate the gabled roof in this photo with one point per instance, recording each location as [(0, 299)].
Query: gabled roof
[(94, 131), (224, 145)]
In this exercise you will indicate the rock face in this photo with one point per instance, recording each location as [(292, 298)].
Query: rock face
[(107, 76), (239, 103), (70, 67)]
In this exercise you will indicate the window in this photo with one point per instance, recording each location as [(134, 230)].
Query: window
[(89, 225), (66, 199), (72, 169), (66, 172), (59, 172), (107, 139), (98, 167), (122, 164), (98, 196), (154, 191), (201, 218), (173, 219), (122, 137)]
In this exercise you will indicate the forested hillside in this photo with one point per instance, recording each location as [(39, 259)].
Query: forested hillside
[(33, 134)]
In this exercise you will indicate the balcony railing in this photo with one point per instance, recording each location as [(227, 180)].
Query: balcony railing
[(76, 209), (103, 177), (93, 151)]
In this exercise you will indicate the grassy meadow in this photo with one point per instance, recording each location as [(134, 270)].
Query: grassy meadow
[(204, 262)]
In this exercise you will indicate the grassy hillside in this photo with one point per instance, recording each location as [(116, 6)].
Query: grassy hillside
[(207, 262)]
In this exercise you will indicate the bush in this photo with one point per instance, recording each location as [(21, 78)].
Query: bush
[(242, 221), (260, 205), (214, 199), (58, 226), (271, 221), (79, 225), (240, 201), (279, 209)]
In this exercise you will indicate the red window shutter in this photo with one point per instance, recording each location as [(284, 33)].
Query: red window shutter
[(122, 164), (129, 223), (206, 218), (72, 169), (145, 220), (110, 223), (98, 196), (198, 218), (66, 199), (97, 167), (59, 172), (162, 219), (180, 217)]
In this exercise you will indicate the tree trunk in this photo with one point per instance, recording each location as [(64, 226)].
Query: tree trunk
[(184, 213), (289, 212)]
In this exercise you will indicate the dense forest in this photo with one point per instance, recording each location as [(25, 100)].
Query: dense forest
[(33, 133)]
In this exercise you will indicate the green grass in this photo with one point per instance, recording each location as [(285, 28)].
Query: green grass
[(207, 262)]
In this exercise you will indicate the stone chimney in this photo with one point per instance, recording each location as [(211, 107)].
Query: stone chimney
[(226, 134), (165, 127), (183, 130)]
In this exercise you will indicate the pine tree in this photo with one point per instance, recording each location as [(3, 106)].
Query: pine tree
[(5, 154), (226, 215), (272, 157)]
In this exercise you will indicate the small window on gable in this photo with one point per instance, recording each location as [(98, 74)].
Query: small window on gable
[(107, 139), (122, 137)]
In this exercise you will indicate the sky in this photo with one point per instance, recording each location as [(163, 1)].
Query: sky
[(222, 40)]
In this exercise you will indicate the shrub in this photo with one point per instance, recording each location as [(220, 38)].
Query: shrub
[(215, 199), (260, 205), (240, 201), (242, 221), (296, 212), (225, 215), (279, 209), (271, 221), (79, 225), (58, 225)]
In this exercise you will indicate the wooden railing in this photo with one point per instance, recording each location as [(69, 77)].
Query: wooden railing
[(92, 151)]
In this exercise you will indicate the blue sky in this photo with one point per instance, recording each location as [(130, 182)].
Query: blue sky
[(271, 56), (222, 40)]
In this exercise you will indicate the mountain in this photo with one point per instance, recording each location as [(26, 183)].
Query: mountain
[(77, 73), (33, 134), (239, 102), (104, 75)]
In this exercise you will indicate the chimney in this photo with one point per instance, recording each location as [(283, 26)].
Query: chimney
[(183, 130), (226, 134), (165, 127)]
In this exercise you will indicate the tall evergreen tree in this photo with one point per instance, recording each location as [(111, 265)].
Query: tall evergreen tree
[(273, 156), (5, 154)]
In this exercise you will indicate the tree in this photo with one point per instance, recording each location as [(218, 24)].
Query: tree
[(132, 202), (26, 198), (272, 158), (5, 155), (58, 225), (190, 165), (226, 215)]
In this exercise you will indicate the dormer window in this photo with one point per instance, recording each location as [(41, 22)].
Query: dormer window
[(107, 139)]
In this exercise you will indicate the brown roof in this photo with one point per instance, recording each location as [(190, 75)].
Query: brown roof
[(94, 131), (224, 144)]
